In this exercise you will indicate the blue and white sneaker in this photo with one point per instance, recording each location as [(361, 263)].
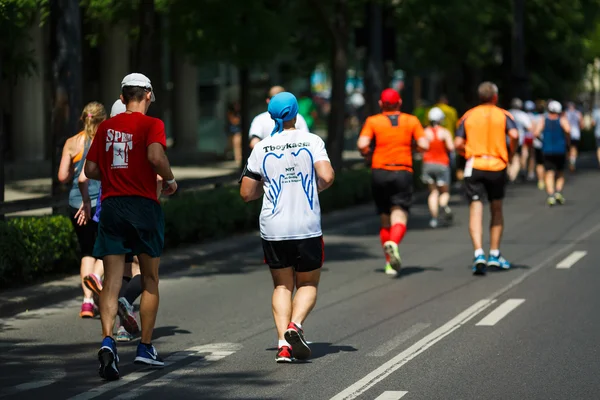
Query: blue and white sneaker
[(147, 354), (109, 360), (499, 262), (479, 265)]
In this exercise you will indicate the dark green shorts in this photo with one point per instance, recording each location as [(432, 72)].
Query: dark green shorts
[(130, 224)]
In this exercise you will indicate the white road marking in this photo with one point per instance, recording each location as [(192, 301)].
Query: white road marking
[(43, 378), (214, 350), (215, 355), (389, 395), (398, 340), (571, 259), (500, 312), (398, 361), (386, 369)]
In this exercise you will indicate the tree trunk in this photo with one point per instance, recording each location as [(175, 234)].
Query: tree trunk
[(519, 74), (244, 82), (339, 68), (2, 155), (374, 59), (67, 78)]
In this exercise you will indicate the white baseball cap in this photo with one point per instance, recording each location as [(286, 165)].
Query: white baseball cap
[(529, 105), (139, 80), (436, 114), (554, 107), (117, 108)]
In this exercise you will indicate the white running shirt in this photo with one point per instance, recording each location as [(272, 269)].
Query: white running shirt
[(290, 207), (262, 125)]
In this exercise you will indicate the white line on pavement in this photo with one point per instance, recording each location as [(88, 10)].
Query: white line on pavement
[(389, 395), (398, 361), (172, 359), (500, 312), (386, 369), (398, 340), (215, 355), (571, 259)]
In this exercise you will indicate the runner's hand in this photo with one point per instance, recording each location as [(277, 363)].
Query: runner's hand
[(169, 188), (83, 215)]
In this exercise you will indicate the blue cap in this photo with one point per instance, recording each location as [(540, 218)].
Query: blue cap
[(282, 107)]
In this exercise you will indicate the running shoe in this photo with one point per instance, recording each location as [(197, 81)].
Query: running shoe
[(541, 185), (559, 198), (391, 249), (498, 261), (433, 223), (447, 213), (551, 201), (127, 316), (109, 360), (87, 310), (479, 265), (147, 354), (123, 335), (389, 270), (94, 283), (295, 337), (284, 355)]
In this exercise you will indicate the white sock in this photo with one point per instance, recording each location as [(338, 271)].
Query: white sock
[(90, 300), (283, 343), (479, 252), (495, 253)]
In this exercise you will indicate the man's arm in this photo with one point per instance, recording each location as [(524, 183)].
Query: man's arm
[(448, 141), (539, 127), (460, 136), (325, 174), (92, 170), (564, 123), (420, 138), (365, 138)]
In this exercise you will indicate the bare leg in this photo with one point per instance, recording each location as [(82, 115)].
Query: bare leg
[(113, 278), (306, 295), (476, 224), (444, 195), (237, 147), (433, 200), (549, 177), (496, 224), (560, 181), (150, 296), (283, 281), (398, 216)]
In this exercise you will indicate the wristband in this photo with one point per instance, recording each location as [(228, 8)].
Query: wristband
[(170, 182)]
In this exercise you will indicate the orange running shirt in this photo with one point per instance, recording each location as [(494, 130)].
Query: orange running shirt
[(393, 133), (437, 152), (484, 129)]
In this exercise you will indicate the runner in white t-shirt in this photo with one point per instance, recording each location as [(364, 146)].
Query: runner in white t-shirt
[(288, 169), (262, 125)]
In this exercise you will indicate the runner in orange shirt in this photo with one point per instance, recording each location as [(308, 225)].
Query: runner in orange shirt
[(436, 166), (481, 135), (392, 172)]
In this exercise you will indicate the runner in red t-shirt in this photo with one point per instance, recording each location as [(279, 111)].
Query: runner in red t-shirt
[(126, 154)]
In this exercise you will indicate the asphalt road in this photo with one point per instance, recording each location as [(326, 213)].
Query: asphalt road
[(436, 332)]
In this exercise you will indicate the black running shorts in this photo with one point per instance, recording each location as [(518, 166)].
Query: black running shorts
[(555, 162), (304, 255), (86, 234), (490, 184), (539, 157), (392, 188)]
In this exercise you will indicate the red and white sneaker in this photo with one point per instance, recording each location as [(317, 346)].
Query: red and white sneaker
[(284, 355), (295, 337)]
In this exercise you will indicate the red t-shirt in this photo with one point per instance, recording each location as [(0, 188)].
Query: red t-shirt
[(120, 150)]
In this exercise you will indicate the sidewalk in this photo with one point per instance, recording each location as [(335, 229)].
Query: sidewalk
[(35, 188)]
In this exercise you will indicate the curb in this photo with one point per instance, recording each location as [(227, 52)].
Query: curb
[(16, 301)]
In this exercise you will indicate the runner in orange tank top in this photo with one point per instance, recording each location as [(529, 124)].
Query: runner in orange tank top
[(482, 136), (436, 166)]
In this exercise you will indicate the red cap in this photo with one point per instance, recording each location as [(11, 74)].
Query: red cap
[(390, 96)]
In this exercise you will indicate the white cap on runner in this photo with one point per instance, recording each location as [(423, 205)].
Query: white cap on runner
[(117, 108), (554, 107), (139, 80), (436, 114)]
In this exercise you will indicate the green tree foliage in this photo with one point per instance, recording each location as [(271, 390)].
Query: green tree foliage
[(16, 18)]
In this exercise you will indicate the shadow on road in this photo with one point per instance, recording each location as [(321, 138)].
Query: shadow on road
[(321, 349), (406, 271), (166, 331)]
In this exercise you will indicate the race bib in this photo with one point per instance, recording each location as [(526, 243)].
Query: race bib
[(469, 167)]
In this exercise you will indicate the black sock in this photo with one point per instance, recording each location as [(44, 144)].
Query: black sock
[(134, 289)]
